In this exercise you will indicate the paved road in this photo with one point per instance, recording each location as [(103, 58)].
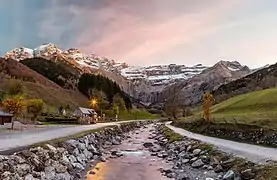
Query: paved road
[(254, 153), (15, 140)]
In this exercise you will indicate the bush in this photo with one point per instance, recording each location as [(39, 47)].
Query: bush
[(61, 120)]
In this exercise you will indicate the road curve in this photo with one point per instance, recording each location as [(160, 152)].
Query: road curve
[(254, 153), (26, 138)]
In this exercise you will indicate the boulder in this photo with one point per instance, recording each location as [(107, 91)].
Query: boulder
[(247, 174), (23, 169), (60, 168), (148, 144), (196, 152), (78, 166), (197, 164), (30, 177)]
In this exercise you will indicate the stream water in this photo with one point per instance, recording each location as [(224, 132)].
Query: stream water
[(135, 164)]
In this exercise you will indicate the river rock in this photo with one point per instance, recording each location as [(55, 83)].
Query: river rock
[(193, 159), (197, 164), (23, 169), (196, 152), (155, 149), (51, 148), (64, 160), (230, 175), (78, 166), (82, 146), (218, 169), (18, 159), (60, 168), (115, 142), (87, 154), (72, 159), (148, 144), (30, 177), (247, 174), (63, 176), (102, 158)]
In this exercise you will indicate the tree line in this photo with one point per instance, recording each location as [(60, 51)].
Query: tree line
[(108, 90)]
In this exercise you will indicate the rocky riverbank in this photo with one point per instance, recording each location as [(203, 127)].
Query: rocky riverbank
[(195, 160), (234, 131), (63, 160)]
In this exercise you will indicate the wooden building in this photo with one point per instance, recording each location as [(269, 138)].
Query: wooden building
[(5, 117)]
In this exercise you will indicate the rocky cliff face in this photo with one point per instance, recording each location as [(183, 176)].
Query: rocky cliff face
[(190, 91), (262, 78)]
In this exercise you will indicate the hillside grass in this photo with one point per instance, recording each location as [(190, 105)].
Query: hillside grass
[(52, 96), (133, 114), (255, 108)]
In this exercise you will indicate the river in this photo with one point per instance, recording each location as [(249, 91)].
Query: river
[(135, 164)]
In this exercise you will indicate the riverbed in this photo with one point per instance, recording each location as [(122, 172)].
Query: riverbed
[(136, 162)]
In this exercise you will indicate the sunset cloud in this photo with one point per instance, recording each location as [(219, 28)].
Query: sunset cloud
[(146, 31)]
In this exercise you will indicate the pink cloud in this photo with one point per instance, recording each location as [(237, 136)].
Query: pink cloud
[(131, 38)]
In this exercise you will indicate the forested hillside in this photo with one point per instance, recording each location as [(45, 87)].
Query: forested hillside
[(88, 82), (59, 72)]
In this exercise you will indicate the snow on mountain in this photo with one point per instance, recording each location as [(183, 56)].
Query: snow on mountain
[(82, 59), (47, 50), (153, 75), (20, 53), (161, 74)]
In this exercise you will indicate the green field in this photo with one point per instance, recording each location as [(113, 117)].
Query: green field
[(133, 114), (257, 108)]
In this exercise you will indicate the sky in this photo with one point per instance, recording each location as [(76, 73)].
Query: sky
[(147, 32)]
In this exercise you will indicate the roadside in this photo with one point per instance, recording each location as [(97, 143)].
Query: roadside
[(254, 153), (16, 139)]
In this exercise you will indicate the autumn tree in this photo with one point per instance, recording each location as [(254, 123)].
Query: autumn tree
[(14, 105), (207, 104), (35, 107)]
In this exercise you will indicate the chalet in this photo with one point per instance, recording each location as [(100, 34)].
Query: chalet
[(5, 117), (86, 113)]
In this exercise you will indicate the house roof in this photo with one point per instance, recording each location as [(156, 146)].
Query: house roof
[(2, 113), (87, 111)]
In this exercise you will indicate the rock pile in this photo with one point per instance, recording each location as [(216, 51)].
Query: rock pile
[(194, 160), (64, 160)]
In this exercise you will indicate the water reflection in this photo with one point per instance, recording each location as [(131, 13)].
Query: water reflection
[(135, 164)]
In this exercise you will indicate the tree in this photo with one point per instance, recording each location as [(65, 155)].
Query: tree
[(117, 100), (116, 110), (14, 105), (207, 104), (172, 106), (35, 107), (14, 87), (98, 99)]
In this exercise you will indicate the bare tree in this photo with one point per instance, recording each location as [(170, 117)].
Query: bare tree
[(173, 104)]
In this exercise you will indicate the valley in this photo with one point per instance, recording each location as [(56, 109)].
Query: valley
[(242, 109)]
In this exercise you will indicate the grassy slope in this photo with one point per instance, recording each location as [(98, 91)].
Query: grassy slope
[(132, 114), (258, 107), (52, 96)]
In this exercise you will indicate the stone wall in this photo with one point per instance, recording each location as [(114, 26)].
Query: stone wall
[(64, 160)]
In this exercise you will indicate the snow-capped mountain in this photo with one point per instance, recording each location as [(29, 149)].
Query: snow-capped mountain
[(153, 75), (20, 53), (162, 74)]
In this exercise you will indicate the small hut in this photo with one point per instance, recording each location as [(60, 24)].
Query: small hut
[(5, 117)]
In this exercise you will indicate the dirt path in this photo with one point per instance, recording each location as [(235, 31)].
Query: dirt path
[(254, 153)]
